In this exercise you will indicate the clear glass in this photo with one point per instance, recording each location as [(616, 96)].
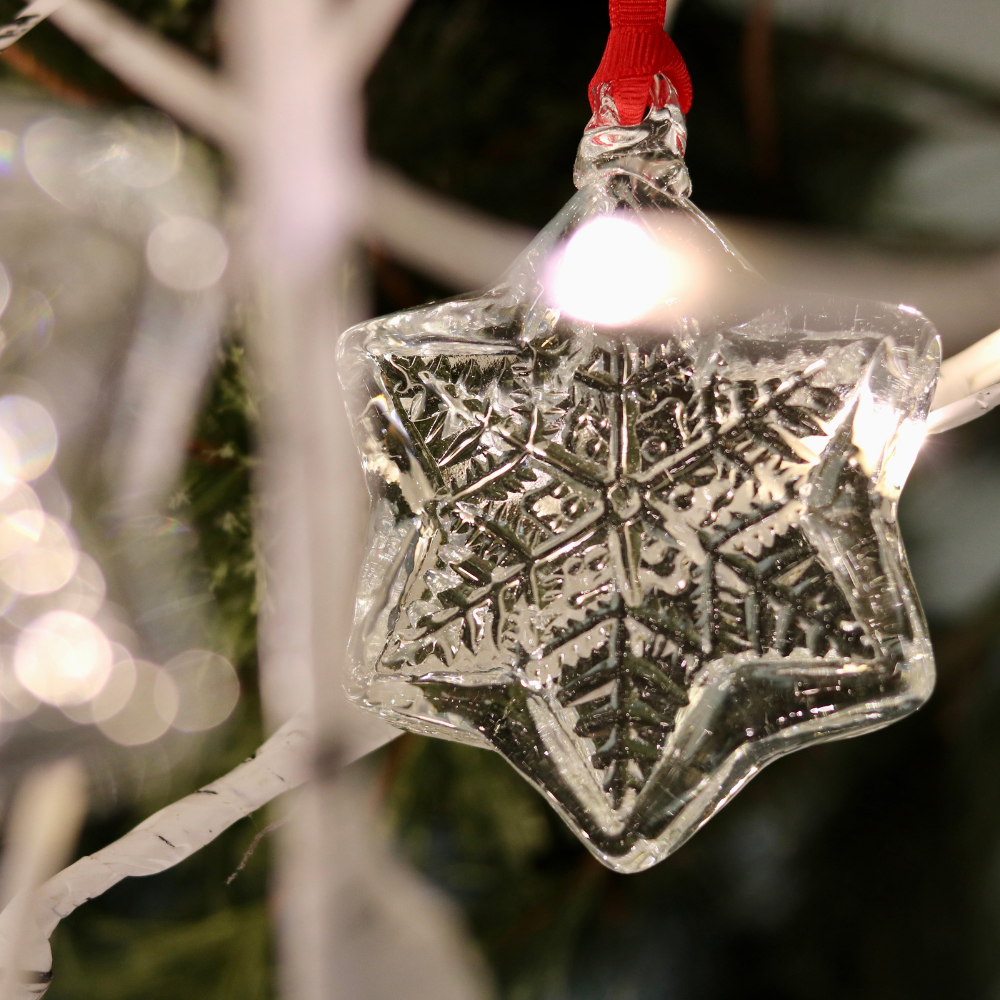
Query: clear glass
[(642, 561)]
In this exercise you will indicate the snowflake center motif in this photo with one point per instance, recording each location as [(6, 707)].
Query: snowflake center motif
[(641, 565)]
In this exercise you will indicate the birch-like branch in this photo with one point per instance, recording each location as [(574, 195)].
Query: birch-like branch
[(457, 245), (45, 819), (969, 386), (36, 11), (170, 78), (161, 72), (163, 840), (367, 26)]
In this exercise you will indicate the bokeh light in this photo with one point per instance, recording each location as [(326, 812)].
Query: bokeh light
[(37, 554), (149, 711), (28, 427), (187, 254), (85, 593), (5, 287), (144, 149), (208, 689), (63, 658), (28, 323), (8, 151), (51, 148), (115, 694)]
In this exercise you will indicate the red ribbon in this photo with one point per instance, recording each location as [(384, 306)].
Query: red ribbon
[(638, 48)]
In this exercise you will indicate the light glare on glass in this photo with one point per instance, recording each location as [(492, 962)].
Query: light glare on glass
[(909, 441), (874, 427), (63, 658), (611, 272)]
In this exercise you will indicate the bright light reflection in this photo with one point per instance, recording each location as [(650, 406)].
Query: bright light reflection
[(150, 709), (85, 593), (28, 438), (63, 658), (882, 440), (909, 441), (115, 694), (875, 424), (208, 689), (37, 555), (611, 272)]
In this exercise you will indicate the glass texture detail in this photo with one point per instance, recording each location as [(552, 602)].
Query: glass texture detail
[(643, 562)]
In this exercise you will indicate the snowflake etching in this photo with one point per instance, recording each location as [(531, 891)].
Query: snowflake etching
[(639, 565)]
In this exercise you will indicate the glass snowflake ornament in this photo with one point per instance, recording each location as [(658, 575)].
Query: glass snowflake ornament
[(642, 556)]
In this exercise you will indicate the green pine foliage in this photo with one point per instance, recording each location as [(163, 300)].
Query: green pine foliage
[(216, 500)]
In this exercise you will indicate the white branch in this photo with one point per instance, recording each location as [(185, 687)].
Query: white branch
[(367, 26), (969, 386), (36, 11), (165, 839), (44, 822), (453, 243), (158, 70)]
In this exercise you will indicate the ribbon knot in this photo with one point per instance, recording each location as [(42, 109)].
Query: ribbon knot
[(638, 48)]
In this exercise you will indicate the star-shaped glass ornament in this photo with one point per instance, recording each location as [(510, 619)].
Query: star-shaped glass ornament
[(634, 521)]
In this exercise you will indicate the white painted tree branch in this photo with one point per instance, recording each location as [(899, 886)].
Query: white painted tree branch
[(42, 828), (366, 26), (163, 840), (457, 245), (302, 171), (157, 69), (969, 386), (36, 11)]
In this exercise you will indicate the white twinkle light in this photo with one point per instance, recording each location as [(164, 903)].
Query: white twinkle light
[(63, 658), (150, 709), (37, 555), (207, 687), (187, 254), (611, 272)]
